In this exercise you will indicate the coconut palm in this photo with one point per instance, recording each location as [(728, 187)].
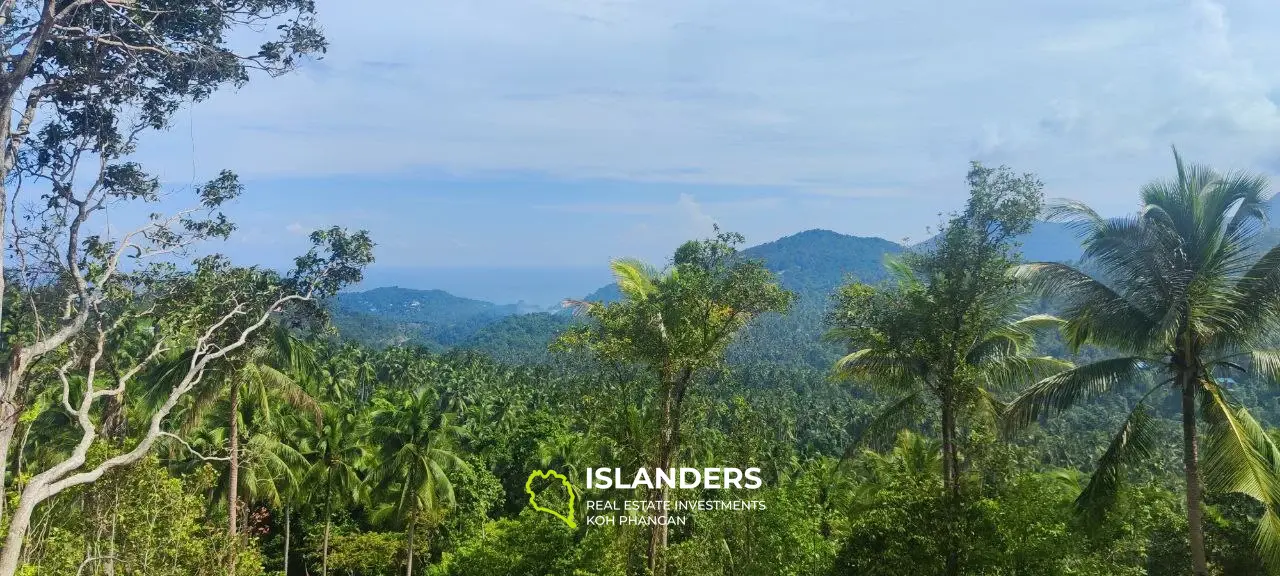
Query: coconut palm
[(950, 333), (265, 378), (897, 350), (1184, 294), (677, 323), (415, 457), (337, 452), (247, 391)]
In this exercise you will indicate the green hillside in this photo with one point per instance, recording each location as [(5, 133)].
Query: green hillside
[(393, 315), (811, 264)]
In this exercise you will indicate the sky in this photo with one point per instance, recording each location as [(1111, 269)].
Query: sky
[(505, 135)]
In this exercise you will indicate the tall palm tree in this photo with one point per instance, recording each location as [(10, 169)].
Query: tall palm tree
[(898, 353), (677, 323), (267, 374), (415, 448), (337, 452), (1181, 293), (266, 379), (949, 333)]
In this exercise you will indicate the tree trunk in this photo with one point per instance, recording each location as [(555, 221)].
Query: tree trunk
[(287, 534), (9, 412), (328, 522), (1190, 458), (18, 526), (233, 488), (113, 420), (409, 572), (22, 449), (668, 443), (951, 482)]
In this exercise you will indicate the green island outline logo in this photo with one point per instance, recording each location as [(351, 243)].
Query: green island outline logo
[(533, 499)]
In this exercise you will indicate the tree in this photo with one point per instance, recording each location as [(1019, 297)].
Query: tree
[(415, 457), (264, 378), (337, 452), (213, 310), (1181, 293), (677, 323), (951, 331), (264, 375), (80, 80)]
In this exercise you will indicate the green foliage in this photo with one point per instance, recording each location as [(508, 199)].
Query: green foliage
[(140, 521), (366, 553), (531, 543), (372, 457), (1181, 292), (949, 333), (785, 539), (681, 320)]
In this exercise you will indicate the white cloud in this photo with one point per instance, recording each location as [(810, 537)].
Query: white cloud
[(695, 221), (812, 94), (296, 228)]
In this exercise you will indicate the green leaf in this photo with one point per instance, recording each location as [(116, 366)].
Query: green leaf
[(1063, 390)]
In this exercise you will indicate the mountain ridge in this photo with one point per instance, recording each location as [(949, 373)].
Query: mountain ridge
[(812, 263)]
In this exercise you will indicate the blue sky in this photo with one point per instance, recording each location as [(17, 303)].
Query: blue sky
[(502, 134)]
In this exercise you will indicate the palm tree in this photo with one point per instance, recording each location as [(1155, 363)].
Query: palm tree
[(337, 452), (415, 444), (264, 379), (677, 323), (1181, 292), (265, 375), (949, 332), (896, 349)]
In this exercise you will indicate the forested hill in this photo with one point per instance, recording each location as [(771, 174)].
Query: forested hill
[(394, 315), (811, 263), (815, 262)]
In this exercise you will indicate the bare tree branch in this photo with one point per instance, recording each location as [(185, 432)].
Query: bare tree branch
[(193, 451)]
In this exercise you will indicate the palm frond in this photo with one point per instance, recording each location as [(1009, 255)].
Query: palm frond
[(1257, 294), (634, 278), (1063, 390), (1037, 323), (1078, 216), (989, 409), (1240, 457), (580, 307), (883, 369), (1266, 363), (287, 389), (1135, 441), (1095, 312), (1009, 371), (1246, 192), (896, 416), (1267, 538)]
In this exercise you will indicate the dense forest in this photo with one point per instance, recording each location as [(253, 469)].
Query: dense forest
[(1107, 407)]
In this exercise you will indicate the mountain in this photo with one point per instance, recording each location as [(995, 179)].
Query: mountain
[(810, 263), (815, 262), (394, 315)]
